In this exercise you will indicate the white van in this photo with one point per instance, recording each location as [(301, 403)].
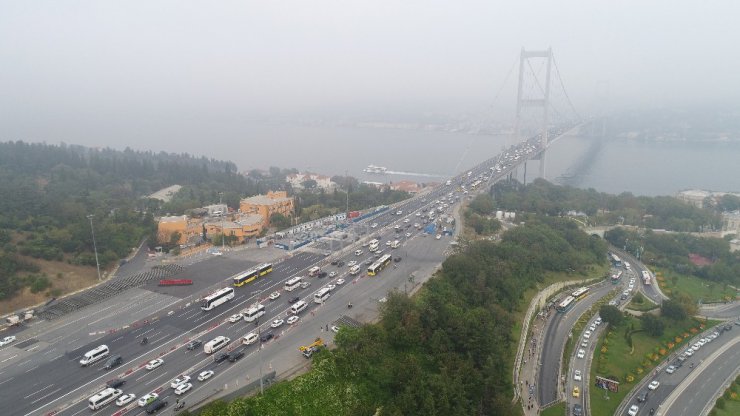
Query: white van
[(94, 355), (395, 244), (216, 344), (354, 269), (298, 307), (358, 252)]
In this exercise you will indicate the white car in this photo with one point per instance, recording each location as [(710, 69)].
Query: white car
[(235, 318), (335, 328), (339, 281), (276, 323), (7, 340), (383, 300), (406, 220), (408, 235), (689, 352), (274, 295), (151, 365), (581, 353), (148, 398), (250, 338), (633, 410), (654, 384), (587, 334), (331, 287), (388, 243), (183, 388), (332, 274), (305, 285), (180, 380), (374, 225), (671, 369), (352, 263), (584, 344), (293, 319), (205, 375), (577, 375), (125, 399), (438, 236)]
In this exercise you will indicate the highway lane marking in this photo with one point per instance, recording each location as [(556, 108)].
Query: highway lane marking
[(73, 341), (45, 396), (24, 362), (50, 351), (31, 369), (117, 339), (9, 358), (152, 380), (80, 411), (5, 381), (39, 391)]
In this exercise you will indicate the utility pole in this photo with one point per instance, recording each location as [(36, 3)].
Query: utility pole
[(95, 246), (223, 230), (346, 183)]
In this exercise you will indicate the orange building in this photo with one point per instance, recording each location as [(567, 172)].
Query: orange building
[(188, 228), (266, 205)]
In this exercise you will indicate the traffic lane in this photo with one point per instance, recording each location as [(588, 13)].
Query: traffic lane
[(558, 330), (712, 381), (669, 382)]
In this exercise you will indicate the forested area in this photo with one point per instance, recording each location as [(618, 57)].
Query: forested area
[(671, 251), (446, 351), (661, 212), (48, 191)]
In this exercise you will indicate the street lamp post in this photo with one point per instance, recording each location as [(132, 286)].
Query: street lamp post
[(95, 246), (223, 230)]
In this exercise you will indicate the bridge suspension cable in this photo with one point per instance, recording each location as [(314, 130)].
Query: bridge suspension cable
[(565, 92)]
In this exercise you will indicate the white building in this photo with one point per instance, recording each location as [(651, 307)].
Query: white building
[(322, 181)]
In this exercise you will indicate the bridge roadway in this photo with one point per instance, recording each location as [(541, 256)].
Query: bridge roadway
[(40, 383), (558, 330)]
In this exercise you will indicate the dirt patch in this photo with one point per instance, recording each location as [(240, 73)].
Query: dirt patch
[(64, 277)]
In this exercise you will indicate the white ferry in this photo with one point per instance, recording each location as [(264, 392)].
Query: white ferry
[(375, 169)]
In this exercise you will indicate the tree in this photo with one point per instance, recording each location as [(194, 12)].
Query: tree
[(279, 221), (309, 184), (653, 325), (611, 314), (673, 310)]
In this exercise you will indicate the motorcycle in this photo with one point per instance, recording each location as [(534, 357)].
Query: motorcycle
[(349, 306), (144, 341), (179, 405)]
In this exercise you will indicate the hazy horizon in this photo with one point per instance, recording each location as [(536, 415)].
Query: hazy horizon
[(169, 75)]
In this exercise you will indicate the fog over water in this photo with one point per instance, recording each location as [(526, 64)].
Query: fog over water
[(268, 83)]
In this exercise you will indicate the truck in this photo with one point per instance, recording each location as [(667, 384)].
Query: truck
[(309, 349), (18, 319)]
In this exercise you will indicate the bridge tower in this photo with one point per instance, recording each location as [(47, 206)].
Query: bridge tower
[(542, 99)]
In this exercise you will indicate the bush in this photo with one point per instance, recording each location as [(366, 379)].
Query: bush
[(38, 283)]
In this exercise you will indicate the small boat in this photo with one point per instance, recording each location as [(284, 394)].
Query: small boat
[(375, 169)]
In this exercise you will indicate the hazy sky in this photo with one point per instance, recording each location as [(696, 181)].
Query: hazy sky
[(145, 72)]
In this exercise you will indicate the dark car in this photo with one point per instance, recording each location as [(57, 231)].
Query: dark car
[(156, 406), (221, 357), (266, 337), (340, 263), (333, 262), (396, 259), (194, 344), (642, 397), (577, 410), (294, 299), (116, 383), (235, 355), (322, 275), (113, 362)]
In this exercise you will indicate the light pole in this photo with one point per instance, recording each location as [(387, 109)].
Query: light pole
[(95, 246), (223, 230), (259, 351)]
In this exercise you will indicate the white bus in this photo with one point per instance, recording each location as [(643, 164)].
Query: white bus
[(104, 397), (298, 307), (314, 271), (293, 283), (374, 244), (221, 296), (254, 312), (94, 355), (322, 295), (215, 344)]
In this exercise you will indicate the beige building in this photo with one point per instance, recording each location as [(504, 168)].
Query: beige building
[(243, 226), (266, 205)]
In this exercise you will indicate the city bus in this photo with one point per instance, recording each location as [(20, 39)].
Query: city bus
[(616, 261), (103, 398), (379, 265), (293, 283), (374, 244), (314, 271), (264, 268), (565, 305), (254, 312), (322, 295), (580, 293), (245, 277), (221, 296), (646, 277)]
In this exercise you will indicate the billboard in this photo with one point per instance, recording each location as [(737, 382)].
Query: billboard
[(607, 384)]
